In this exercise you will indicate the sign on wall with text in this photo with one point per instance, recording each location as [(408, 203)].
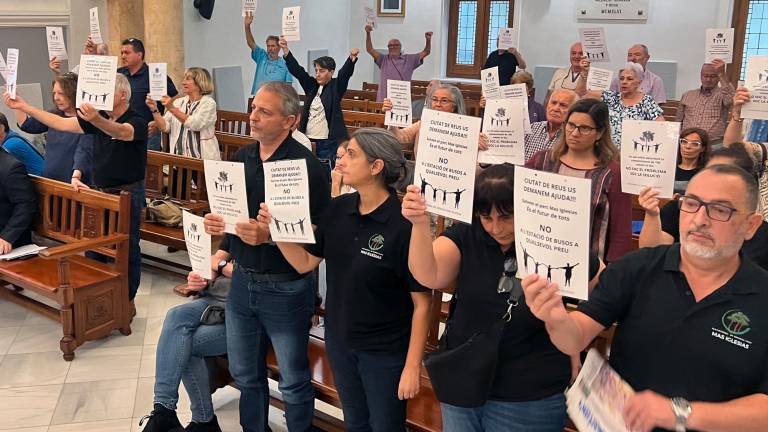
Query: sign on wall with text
[(612, 9)]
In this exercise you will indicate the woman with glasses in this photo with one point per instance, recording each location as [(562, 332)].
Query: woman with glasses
[(661, 225), (585, 150), (376, 313), (691, 156), (478, 260), (627, 103)]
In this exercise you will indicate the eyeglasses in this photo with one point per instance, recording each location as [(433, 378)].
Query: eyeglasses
[(583, 129), (506, 281), (694, 144), (715, 211), (441, 101), (392, 45)]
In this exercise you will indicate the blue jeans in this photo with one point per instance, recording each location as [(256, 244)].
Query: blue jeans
[(325, 150), (367, 383), (545, 415), (257, 312), (183, 344), (155, 142), (138, 201)]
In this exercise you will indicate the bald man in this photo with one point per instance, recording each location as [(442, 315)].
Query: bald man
[(652, 83), (707, 107), (395, 65), (545, 133), (567, 78)]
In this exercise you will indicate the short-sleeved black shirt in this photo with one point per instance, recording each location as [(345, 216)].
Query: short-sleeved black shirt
[(266, 258), (140, 89), (529, 367), (116, 162), (755, 248), (368, 303), (714, 350), (506, 62)]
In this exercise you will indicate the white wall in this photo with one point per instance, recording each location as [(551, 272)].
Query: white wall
[(79, 26)]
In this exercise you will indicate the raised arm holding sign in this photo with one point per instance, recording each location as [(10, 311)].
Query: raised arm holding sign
[(649, 156), (286, 193), (291, 23), (225, 182)]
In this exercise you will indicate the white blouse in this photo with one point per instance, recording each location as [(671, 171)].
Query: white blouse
[(196, 137)]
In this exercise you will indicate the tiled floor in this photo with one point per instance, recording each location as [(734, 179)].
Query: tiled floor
[(108, 387)]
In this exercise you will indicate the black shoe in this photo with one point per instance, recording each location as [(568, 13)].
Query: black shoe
[(161, 420), (209, 426)]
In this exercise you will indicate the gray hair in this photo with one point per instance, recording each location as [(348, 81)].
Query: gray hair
[(122, 85), (381, 144), (102, 49), (750, 182), (458, 98), (288, 97), (635, 68)]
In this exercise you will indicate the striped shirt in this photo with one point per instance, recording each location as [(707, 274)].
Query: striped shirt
[(539, 139)]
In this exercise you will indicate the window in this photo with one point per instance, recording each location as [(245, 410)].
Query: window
[(755, 32), (474, 25)]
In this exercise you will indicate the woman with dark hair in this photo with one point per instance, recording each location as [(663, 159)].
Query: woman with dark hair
[(585, 150), (376, 313), (67, 155), (531, 374), (691, 156)]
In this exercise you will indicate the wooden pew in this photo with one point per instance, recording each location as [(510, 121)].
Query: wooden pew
[(354, 105), (236, 123), (370, 86), (360, 94), (670, 108), (355, 120), (91, 297), (230, 144)]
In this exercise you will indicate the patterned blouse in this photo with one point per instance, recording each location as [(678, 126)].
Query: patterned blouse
[(646, 109)]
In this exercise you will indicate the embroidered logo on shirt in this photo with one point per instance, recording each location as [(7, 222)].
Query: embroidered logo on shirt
[(735, 324), (375, 243)]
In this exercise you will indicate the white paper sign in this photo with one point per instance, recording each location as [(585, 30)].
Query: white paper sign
[(3, 67), (95, 31), (519, 92), (507, 38), (719, 45), (198, 244), (11, 71), (552, 214), (158, 80), (249, 7), (370, 17), (756, 80), (401, 114), (227, 196), (612, 10), (56, 46), (649, 156), (489, 78), (286, 193), (446, 163), (594, 44), (503, 123), (96, 81), (599, 79), (291, 23)]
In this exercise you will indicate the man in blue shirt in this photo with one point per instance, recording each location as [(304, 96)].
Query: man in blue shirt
[(22, 149), (269, 65)]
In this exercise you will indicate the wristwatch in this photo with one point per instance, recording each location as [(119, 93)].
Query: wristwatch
[(220, 266), (682, 409)]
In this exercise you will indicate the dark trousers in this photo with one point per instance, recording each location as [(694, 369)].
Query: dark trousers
[(325, 149)]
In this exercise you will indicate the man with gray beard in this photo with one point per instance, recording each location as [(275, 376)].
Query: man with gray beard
[(691, 334)]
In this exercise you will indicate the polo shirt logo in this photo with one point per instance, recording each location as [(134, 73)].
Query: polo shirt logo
[(375, 244), (735, 324)]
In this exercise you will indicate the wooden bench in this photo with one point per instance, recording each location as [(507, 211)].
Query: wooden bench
[(91, 297), (231, 144), (361, 105), (355, 120), (233, 122), (360, 94), (670, 108)]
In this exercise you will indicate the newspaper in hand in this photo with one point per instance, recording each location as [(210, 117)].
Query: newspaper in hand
[(596, 399)]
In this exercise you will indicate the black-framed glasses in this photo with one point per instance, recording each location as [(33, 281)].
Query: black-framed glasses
[(715, 211), (583, 129), (691, 143)]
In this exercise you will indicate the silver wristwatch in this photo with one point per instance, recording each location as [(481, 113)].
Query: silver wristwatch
[(682, 409)]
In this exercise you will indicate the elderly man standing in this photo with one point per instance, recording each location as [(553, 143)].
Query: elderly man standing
[(692, 330), (652, 83), (707, 107), (395, 65), (567, 78), (269, 65), (545, 133)]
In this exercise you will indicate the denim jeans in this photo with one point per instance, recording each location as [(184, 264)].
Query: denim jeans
[(183, 344), (138, 201), (545, 415), (367, 383), (325, 150), (258, 311)]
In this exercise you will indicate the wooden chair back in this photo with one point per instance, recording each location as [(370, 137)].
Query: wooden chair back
[(355, 120), (360, 94), (370, 86), (670, 108), (236, 123), (354, 105), (180, 178), (230, 144)]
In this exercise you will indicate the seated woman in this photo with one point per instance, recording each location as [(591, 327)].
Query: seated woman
[(531, 374), (691, 156), (377, 315), (627, 103), (190, 120), (536, 112), (661, 226), (67, 155), (192, 331), (585, 150)]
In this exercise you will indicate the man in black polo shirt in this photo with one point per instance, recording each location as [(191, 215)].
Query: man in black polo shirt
[(137, 72), (692, 323), (119, 156), (507, 60), (269, 300)]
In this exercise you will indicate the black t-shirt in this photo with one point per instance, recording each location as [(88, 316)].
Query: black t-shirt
[(116, 162), (140, 89), (368, 303), (682, 177), (266, 258), (507, 64), (714, 350), (529, 367), (755, 248)]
